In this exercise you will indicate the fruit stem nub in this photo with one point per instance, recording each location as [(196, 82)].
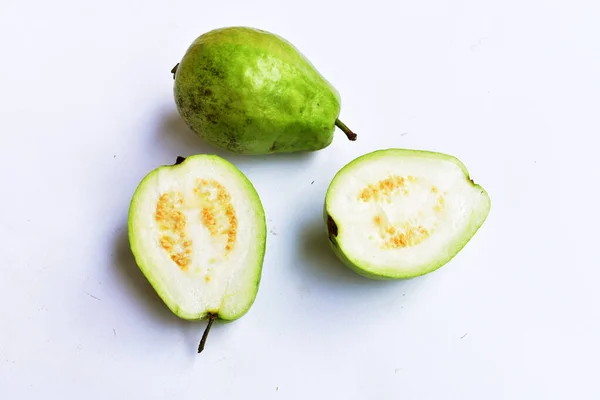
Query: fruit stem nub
[(351, 135), (174, 70), (211, 319), (179, 160)]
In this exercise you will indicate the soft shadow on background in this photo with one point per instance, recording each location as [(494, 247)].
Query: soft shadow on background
[(175, 136), (150, 304), (324, 276), (319, 260), (128, 271)]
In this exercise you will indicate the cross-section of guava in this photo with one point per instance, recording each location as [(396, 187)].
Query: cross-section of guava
[(197, 231), (399, 213)]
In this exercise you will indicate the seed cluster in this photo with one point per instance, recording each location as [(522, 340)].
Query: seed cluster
[(218, 214), (385, 188), (406, 233), (172, 222)]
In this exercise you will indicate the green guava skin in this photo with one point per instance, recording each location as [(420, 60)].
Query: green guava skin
[(252, 92)]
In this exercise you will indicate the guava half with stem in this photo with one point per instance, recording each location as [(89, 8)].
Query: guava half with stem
[(401, 213), (197, 231)]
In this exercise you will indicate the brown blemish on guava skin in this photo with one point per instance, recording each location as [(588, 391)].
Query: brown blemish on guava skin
[(212, 118)]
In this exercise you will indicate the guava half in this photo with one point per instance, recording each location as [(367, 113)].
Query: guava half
[(197, 231), (398, 213)]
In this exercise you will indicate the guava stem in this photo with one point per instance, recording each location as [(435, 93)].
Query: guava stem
[(351, 135), (179, 160), (174, 70), (211, 319)]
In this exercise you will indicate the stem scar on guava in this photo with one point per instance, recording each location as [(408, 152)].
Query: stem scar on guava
[(174, 70), (332, 228)]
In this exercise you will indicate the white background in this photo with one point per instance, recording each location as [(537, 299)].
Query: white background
[(510, 87)]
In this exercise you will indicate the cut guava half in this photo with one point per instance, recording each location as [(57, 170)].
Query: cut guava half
[(197, 231), (401, 213)]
